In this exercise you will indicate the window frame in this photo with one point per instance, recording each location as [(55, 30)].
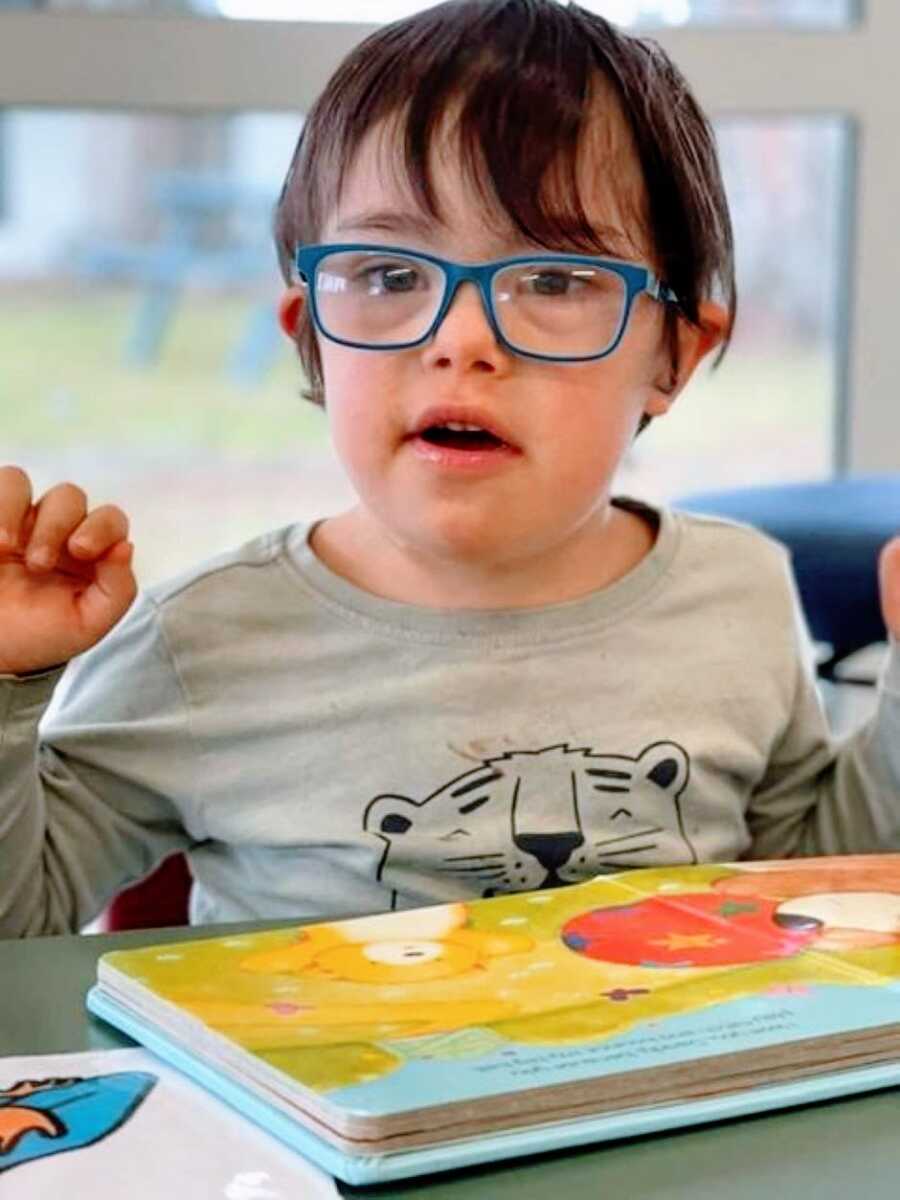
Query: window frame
[(194, 64)]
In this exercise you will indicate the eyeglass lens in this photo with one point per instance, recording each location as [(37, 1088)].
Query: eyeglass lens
[(542, 307)]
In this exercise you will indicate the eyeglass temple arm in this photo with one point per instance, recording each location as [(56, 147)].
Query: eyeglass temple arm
[(661, 291)]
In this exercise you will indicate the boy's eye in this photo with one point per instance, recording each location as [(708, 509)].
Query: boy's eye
[(548, 283), (392, 277), (582, 282)]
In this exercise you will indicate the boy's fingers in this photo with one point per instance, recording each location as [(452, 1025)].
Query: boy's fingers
[(15, 503), (112, 591), (101, 529), (59, 511), (889, 576), (19, 533)]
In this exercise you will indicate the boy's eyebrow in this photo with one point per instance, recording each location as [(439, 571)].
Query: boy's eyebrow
[(388, 220), (610, 240)]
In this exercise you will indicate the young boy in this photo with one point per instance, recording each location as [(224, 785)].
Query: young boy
[(507, 247)]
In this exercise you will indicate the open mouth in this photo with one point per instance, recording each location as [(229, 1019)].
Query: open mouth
[(456, 436)]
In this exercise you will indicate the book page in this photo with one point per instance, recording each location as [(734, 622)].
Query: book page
[(107, 1124)]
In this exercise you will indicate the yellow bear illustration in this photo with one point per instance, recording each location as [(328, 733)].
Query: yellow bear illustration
[(349, 1002), (431, 944)]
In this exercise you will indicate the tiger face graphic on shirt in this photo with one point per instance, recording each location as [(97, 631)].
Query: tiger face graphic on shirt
[(530, 819)]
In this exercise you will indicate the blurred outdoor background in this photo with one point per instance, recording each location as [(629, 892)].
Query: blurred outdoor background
[(139, 354)]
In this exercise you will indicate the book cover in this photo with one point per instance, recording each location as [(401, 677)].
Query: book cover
[(433, 1037)]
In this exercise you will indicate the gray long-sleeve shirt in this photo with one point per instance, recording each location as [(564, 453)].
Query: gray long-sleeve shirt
[(316, 749)]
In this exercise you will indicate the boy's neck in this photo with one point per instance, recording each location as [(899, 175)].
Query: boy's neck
[(605, 549)]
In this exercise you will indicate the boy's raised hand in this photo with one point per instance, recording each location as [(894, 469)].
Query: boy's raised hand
[(65, 573), (889, 573)]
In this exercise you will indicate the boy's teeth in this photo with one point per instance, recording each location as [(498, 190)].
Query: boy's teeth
[(461, 427)]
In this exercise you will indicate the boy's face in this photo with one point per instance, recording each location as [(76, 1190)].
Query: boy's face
[(564, 427)]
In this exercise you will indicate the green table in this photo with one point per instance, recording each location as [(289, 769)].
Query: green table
[(835, 1151)]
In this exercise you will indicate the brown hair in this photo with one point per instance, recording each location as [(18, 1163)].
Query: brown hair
[(524, 80)]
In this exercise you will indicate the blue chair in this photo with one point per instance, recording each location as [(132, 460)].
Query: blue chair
[(834, 531)]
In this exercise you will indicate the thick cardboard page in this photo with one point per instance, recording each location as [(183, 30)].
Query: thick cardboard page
[(723, 1075), (361, 1168)]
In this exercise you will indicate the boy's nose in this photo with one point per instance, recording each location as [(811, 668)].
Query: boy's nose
[(465, 339)]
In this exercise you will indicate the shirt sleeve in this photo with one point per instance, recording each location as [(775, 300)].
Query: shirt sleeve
[(821, 795), (90, 764)]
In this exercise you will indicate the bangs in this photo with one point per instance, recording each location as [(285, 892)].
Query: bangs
[(526, 163), (515, 104), (517, 139)]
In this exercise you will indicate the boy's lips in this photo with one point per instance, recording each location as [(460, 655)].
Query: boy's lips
[(474, 420), (461, 438)]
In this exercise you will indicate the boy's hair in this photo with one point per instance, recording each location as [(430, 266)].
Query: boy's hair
[(525, 81)]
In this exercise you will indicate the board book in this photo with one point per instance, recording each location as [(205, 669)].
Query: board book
[(388, 1046)]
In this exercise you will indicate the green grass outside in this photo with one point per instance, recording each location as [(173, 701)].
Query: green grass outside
[(63, 381), (63, 384)]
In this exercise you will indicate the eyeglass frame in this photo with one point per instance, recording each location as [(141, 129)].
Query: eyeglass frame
[(637, 278)]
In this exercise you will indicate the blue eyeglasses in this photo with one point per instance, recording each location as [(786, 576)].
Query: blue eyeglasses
[(554, 307)]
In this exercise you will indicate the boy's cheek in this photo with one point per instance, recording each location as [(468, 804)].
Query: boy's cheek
[(352, 391), (360, 416), (364, 384)]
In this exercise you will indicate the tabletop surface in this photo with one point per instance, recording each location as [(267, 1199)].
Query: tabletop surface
[(830, 1151)]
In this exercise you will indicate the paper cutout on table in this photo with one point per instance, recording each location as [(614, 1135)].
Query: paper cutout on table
[(42, 1117), (79, 1124)]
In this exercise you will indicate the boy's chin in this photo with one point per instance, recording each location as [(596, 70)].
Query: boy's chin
[(484, 545), (481, 544)]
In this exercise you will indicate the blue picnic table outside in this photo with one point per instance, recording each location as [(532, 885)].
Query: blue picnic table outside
[(214, 230)]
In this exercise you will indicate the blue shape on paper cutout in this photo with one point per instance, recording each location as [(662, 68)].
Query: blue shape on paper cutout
[(78, 1112)]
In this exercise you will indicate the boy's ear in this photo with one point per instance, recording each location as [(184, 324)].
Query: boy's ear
[(290, 309), (694, 343)]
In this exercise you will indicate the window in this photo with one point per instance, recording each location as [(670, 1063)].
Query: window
[(770, 411), (799, 13), (3, 167), (188, 413), (170, 389)]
